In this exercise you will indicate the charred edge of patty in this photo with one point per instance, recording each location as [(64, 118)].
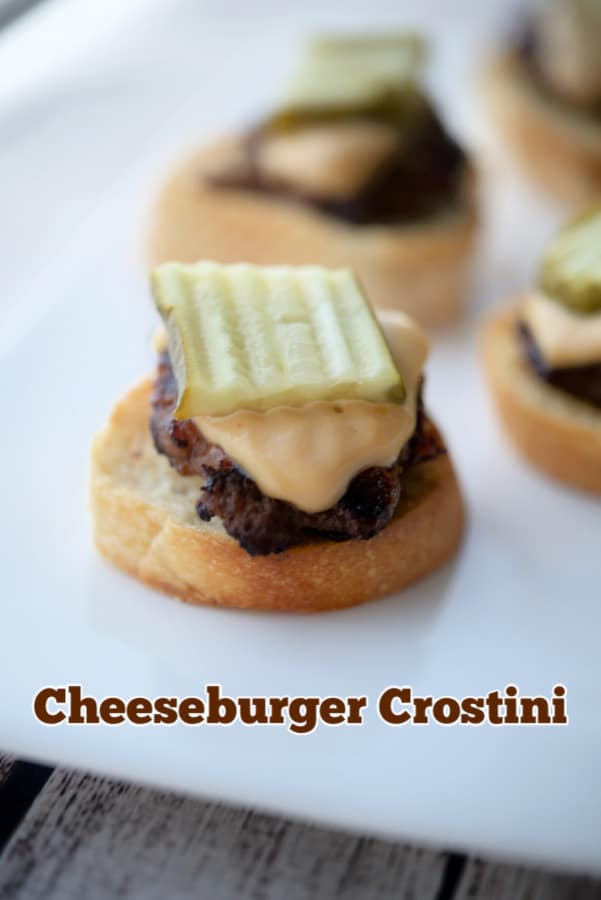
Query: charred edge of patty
[(179, 439), (582, 382), (262, 524), (420, 178)]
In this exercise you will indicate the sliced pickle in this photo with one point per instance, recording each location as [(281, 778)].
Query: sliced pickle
[(571, 269), (404, 45), (255, 337), (395, 60), (397, 108), (338, 77)]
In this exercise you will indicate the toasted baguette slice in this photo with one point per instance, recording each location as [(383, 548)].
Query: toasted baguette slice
[(560, 148), (420, 269), (145, 522), (556, 432)]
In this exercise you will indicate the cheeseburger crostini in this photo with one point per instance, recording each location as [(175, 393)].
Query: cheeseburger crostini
[(354, 168), (545, 93), (543, 359), (281, 456)]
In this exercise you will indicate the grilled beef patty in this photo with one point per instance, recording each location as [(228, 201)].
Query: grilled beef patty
[(422, 177), (583, 382), (262, 524)]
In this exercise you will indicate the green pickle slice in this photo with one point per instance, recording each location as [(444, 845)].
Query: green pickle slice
[(337, 77), (571, 269), (255, 337)]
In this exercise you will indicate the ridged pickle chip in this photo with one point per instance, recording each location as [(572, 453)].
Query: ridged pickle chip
[(571, 269), (352, 75), (256, 337)]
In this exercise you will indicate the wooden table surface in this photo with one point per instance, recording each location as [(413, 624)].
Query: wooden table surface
[(72, 836)]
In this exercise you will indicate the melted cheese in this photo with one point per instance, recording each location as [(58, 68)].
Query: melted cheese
[(308, 455), (564, 338), (332, 160)]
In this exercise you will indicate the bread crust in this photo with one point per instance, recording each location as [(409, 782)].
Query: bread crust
[(556, 432), (560, 148), (145, 523), (421, 269)]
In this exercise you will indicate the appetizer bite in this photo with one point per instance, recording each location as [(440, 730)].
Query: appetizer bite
[(353, 169), (543, 359), (545, 92), (281, 456)]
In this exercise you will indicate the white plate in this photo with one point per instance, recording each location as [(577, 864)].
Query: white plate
[(519, 605)]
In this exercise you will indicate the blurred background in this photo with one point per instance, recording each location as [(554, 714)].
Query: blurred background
[(97, 99)]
